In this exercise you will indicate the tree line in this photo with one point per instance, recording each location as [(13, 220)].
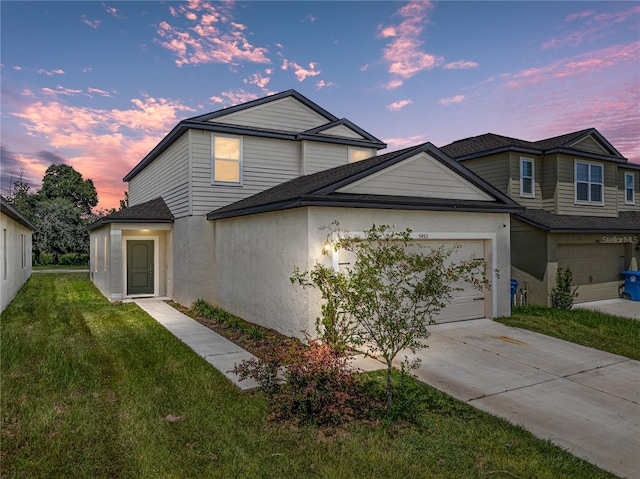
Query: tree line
[(60, 211)]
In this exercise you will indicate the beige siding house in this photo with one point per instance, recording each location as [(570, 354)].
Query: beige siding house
[(15, 251), (229, 202), (582, 208)]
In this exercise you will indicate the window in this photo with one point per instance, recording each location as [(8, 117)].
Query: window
[(358, 154), (23, 244), (527, 179), (629, 189), (4, 254), (589, 183), (227, 160)]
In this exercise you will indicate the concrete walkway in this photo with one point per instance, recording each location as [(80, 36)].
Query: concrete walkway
[(215, 349), (583, 399), (616, 307)]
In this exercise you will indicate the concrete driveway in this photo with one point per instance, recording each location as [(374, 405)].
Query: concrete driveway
[(617, 307), (584, 400)]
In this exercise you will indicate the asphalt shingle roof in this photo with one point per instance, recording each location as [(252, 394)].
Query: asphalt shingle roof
[(626, 222), (154, 211), (490, 142)]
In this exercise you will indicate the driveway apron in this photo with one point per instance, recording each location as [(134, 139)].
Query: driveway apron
[(584, 400)]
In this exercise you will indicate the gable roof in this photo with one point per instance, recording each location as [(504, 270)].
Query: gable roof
[(490, 143), (626, 222), (320, 189), (207, 123), (154, 211), (13, 213)]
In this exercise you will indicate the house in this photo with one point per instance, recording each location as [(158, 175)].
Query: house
[(15, 251), (582, 208), (228, 203)]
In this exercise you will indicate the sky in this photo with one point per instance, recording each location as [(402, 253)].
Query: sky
[(97, 84)]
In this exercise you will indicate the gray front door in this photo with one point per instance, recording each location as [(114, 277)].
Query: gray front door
[(140, 267)]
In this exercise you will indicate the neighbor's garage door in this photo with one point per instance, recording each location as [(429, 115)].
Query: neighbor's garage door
[(596, 269), (468, 303)]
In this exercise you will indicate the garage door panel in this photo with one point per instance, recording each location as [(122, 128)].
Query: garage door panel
[(596, 269), (468, 302)]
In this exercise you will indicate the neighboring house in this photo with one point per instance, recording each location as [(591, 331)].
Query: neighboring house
[(15, 251), (230, 202), (582, 208)]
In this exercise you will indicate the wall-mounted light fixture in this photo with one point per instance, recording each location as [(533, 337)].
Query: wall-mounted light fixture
[(327, 246)]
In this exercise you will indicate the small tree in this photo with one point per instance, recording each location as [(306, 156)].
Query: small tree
[(388, 297), (562, 295)]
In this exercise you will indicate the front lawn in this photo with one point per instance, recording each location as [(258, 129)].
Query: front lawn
[(95, 390), (582, 326)]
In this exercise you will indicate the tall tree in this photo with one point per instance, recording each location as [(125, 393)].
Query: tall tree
[(62, 181)]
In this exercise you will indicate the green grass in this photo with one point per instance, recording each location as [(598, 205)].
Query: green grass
[(95, 390), (614, 334)]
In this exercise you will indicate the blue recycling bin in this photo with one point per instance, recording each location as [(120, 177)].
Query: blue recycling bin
[(514, 290), (632, 284)]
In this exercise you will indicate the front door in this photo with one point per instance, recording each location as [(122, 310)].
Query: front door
[(139, 267)]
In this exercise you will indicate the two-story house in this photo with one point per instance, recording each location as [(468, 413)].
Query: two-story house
[(228, 203), (582, 208)]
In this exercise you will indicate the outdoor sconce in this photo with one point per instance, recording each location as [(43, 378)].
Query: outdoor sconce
[(326, 247)]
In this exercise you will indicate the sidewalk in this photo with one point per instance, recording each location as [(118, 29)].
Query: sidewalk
[(215, 349)]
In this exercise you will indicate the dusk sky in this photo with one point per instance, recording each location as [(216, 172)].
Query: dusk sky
[(98, 84)]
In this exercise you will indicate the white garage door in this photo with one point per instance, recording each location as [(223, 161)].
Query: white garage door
[(468, 302), (596, 269)]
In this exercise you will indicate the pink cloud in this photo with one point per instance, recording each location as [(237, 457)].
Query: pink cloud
[(230, 98), (57, 71), (451, 101), (460, 65), (596, 60), (215, 37), (301, 73), (321, 84), (399, 105), (594, 26), (59, 90), (258, 80), (91, 23), (393, 84), (398, 143), (102, 144), (403, 53)]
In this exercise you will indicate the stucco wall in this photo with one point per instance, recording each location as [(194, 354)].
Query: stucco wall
[(193, 243), (255, 256), (15, 263)]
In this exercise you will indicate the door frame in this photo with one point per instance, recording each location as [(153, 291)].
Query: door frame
[(156, 264)]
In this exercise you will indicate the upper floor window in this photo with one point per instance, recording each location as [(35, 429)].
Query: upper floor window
[(629, 189), (358, 154), (527, 178), (589, 182), (227, 160)]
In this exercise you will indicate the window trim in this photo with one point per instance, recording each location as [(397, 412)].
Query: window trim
[(240, 161), (356, 148), (532, 194), (629, 174), (588, 202)]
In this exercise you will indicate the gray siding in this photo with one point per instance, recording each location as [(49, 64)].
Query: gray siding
[(342, 131), (266, 163), (566, 190), (590, 145), (166, 176), (286, 114), (420, 176), (548, 183), (322, 156), (492, 168)]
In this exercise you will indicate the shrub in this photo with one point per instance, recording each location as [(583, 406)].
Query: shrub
[(314, 385), (562, 295)]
